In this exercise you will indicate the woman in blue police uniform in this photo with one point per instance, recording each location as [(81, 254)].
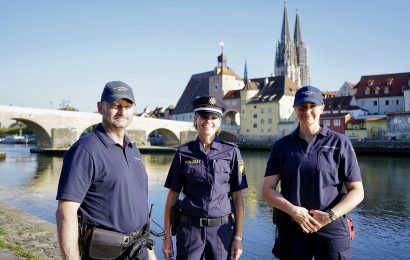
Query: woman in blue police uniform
[(210, 174), (313, 164)]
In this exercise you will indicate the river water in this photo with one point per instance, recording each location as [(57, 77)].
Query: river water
[(28, 182)]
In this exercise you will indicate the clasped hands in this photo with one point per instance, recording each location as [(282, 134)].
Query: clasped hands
[(310, 221)]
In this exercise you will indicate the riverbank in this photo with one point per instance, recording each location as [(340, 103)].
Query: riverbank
[(23, 236)]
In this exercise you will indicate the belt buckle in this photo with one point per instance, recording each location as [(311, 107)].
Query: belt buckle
[(203, 222)]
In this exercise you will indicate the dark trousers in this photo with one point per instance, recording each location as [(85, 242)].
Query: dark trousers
[(332, 242), (194, 243)]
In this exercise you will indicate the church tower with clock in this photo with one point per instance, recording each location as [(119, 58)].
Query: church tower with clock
[(224, 79)]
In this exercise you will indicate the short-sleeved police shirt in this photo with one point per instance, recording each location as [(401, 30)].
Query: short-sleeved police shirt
[(312, 175), (207, 178), (109, 181)]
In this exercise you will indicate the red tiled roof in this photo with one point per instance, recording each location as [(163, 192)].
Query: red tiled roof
[(233, 94), (394, 82)]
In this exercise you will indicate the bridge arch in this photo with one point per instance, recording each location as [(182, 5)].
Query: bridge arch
[(164, 136), (43, 137), (231, 117)]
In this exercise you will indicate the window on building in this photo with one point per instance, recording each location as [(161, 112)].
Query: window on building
[(386, 90), (336, 122), (254, 107), (261, 130), (408, 120), (255, 116), (387, 102), (270, 121), (270, 110), (243, 111), (247, 130), (397, 102), (367, 91), (326, 122), (270, 130), (233, 102), (375, 103), (262, 110), (262, 121), (255, 125), (376, 91), (370, 82)]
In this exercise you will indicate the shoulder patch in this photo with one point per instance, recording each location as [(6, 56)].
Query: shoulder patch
[(241, 167)]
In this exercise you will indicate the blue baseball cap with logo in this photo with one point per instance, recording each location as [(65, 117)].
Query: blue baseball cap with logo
[(308, 94), (115, 90)]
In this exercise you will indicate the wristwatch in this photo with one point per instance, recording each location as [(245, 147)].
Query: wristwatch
[(332, 215), (239, 238)]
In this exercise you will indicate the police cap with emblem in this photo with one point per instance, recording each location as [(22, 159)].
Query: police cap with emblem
[(208, 106)]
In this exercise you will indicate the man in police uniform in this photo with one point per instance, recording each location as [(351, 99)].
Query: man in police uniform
[(104, 182), (210, 174)]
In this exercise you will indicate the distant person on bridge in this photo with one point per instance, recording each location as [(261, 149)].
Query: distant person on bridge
[(103, 190), (313, 164), (210, 172)]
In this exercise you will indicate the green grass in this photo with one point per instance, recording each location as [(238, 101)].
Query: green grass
[(18, 250)]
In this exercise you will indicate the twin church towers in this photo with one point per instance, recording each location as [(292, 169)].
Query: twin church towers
[(292, 55)]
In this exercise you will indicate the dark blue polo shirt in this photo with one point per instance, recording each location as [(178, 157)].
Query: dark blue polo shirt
[(312, 176), (110, 182), (207, 178)]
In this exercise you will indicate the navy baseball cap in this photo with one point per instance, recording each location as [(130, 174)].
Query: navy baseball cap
[(208, 106), (115, 90), (308, 94)]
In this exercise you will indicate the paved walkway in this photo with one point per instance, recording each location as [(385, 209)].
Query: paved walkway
[(36, 236)]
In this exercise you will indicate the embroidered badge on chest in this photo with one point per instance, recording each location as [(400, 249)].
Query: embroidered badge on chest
[(194, 161)]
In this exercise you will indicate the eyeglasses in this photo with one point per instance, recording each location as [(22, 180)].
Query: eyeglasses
[(116, 106), (306, 107)]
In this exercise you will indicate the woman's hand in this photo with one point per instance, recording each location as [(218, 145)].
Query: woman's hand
[(167, 248), (301, 216), (236, 249)]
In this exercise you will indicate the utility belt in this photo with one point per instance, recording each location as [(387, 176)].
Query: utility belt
[(204, 222), (99, 243)]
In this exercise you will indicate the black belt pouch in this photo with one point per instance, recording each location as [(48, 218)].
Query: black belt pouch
[(106, 244)]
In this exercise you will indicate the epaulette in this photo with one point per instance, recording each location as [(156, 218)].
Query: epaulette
[(229, 143)]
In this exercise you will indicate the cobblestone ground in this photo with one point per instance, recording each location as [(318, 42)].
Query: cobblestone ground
[(37, 237)]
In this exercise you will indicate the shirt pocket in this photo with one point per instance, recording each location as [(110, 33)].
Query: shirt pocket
[(195, 172), (328, 167), (222, 171)]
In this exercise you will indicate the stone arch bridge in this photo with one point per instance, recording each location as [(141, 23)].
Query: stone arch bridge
[(58, 129)]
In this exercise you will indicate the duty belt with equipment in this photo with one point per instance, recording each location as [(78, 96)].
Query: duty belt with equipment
[(204, 222)]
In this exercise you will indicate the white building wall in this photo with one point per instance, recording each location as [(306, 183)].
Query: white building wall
[(406, 98), (379, 105)]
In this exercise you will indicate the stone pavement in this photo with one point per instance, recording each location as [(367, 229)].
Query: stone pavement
[(37, 237)]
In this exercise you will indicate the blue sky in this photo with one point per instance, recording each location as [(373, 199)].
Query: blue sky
[(52, 51)]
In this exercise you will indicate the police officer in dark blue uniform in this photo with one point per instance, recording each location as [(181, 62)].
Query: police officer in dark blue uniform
[(104, 182), (210, 174), (313, 164)]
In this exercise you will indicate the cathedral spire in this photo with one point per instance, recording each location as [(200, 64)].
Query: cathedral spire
[(285, 36), (298, 35)]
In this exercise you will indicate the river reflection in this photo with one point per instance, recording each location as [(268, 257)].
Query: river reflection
[(29, 182)]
